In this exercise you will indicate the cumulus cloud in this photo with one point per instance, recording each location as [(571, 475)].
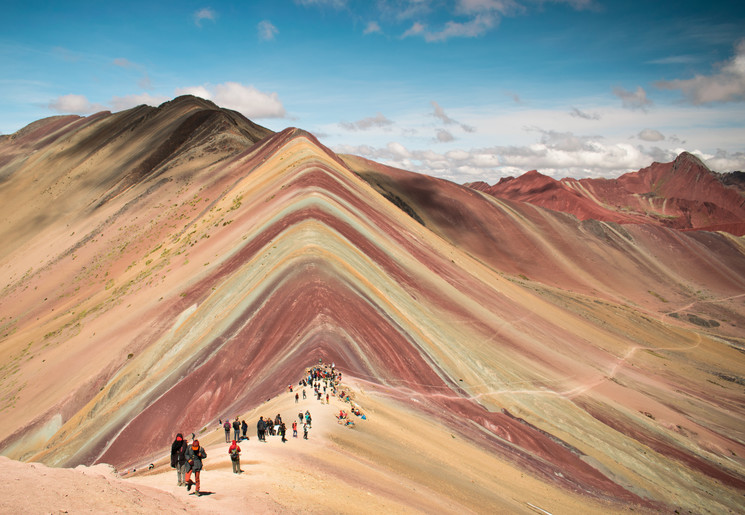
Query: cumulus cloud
[(367, 123), (204, 13), (633, 99), (583, 114), (372, 28), (650, 135), (475, 27), (267, 30), (726, 85), (74, 104), (481, 6), (559, 154), (245, 99)]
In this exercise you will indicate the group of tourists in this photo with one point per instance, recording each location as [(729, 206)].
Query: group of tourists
[(323, 379)]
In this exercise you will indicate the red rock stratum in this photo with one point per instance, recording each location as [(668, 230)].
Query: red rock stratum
[(165, 267)]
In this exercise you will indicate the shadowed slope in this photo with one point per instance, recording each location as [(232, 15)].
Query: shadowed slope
[(181, 303)]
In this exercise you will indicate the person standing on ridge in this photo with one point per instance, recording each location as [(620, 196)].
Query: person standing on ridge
[(261, 429), (178, 458), (236, 429), (226, 426), (195, 453), (244, 430), (235, 457)]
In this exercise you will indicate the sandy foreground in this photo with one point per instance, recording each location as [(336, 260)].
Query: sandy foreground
[(396, 461)]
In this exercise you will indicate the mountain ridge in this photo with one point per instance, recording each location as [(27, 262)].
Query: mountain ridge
[(682, 194), (585, 353)]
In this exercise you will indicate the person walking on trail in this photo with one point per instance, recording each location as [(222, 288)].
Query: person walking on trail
[(305, 431), (226, 425), (294, 429), (236, 429), (283, 431), (178, 458), (244, 430), (307, 418), (235, 457), (195, 453), (297, 396), (261, 429)]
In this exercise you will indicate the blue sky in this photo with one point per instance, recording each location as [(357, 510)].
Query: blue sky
[(460, 89)]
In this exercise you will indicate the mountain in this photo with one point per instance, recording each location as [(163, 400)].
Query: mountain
[(683, 194), (169, 267)]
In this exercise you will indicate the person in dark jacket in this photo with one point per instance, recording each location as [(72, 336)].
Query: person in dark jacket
[(236, 429), (244, 430), (261, 429), (178, 458), (195, 453)]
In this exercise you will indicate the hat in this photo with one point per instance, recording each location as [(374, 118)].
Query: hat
[(195, 443)]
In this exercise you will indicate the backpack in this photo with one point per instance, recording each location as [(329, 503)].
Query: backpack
[(226, 425), (234, 454)]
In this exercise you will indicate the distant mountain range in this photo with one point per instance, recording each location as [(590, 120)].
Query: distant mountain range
[(683, 194), (163, 268)]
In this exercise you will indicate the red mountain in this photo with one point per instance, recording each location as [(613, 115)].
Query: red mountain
[(682, 194)]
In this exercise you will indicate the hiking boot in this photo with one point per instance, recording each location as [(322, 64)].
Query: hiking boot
[(188, 485)]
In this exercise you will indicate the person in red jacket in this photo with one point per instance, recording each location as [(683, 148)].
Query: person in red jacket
[(235, 457)]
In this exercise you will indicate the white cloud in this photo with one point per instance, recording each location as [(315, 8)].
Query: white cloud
[(74, 104), (267, 30), (439, 113), (372, 28), (650, 135), (633, 99), (245, 99), (205, 13), (416, 29), (582, 114), (727, 85), (480, 6), (444, 136), (478, 26), (126, 102), (337, 4), (367, 123)]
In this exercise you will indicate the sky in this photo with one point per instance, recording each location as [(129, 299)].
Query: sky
[(464, 90)]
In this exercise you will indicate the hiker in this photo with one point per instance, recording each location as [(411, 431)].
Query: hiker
[(236, 429), (297, 396), (226, 425), (294, 429), (178, 458), (303, 393), (261, 429), (244, 429), (195, 453), (283, 431), (307, 418), (327, 398), (305, 431), (235, 457)]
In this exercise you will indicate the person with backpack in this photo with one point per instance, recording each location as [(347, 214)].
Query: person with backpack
[(178, 458), (226, 425), (195, 453), (236, 429), (244, 430), (235, 457)]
